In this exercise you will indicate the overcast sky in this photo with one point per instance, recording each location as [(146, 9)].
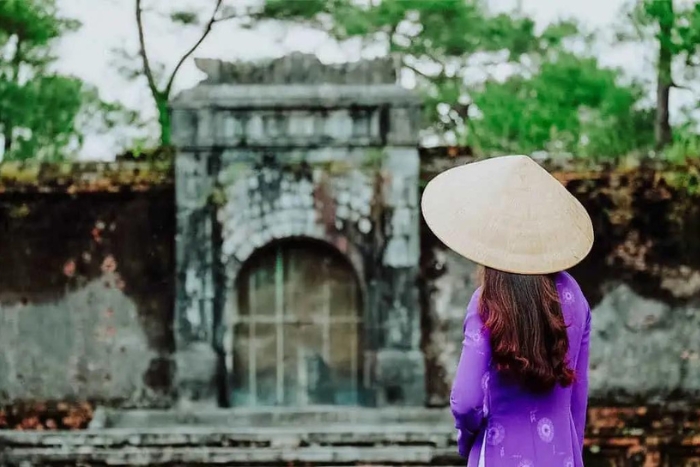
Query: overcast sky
[(109, 24)]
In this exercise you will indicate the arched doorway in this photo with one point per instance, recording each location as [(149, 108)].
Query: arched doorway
[(297, 332)]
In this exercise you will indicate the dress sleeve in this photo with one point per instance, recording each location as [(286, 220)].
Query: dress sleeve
[(579, 394), (467, 395)]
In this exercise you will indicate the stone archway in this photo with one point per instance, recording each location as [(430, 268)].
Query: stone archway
[(315, 151), (297, 333)]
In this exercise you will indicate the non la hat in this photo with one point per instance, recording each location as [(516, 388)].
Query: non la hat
[(508, 213)]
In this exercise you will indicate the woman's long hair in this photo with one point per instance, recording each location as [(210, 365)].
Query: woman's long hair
[(529, 341)]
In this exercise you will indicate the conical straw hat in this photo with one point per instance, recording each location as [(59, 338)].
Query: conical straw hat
[(510, 214)]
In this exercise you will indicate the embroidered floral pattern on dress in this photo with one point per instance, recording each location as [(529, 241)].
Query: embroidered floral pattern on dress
[(545, 429), (473, 338), (567, 296), (495, 434), (505, 416)]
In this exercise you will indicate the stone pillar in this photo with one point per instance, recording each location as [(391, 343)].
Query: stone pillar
[(400, 361), (197, 360)]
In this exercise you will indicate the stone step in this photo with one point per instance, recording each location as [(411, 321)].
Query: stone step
[(147, 456), (280, 437), (287, 437), (241, 417)]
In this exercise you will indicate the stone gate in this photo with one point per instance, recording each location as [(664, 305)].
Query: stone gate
[(297, 235)]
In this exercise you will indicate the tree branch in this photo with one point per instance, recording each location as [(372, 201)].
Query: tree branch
[(677, 86), (226, 18), (205, 33), (417, 71), (142, 51)]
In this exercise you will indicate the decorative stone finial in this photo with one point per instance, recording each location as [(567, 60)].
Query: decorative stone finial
[(299, 68)]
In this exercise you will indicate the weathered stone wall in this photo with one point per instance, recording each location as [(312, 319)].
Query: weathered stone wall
[(86, 284), (87, 299), (642, 280)]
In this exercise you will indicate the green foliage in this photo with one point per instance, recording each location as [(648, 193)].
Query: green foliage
[(33, 21), (555, 100), (184, 17), (37, 107), (674, 29), (685, 145), (41, 112), (142, 64), (45, 116), (570, 105), (435, 38), (285, 10)]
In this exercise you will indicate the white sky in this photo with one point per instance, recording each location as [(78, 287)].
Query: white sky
[(109, 24)]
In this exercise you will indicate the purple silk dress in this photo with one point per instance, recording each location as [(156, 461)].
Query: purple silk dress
[(520, 428)]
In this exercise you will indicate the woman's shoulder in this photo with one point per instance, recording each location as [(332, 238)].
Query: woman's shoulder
[(473, 307), (570, 291), (565, 280), (476, 296)]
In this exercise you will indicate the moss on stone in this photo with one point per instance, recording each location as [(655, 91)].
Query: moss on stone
[(374, 159), (75, 177)]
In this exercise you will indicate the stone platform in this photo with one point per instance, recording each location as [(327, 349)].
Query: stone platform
[(616, 437), (240, 437)]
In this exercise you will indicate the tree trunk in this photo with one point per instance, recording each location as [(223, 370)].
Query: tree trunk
[(662, 126), (8, 125), (163, 119), (662, 130), (7, 135)]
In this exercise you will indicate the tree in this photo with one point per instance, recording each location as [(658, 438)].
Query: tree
[(437, 41), (553, 100), (42, 113), (676, 33), (159, 83), (37, 107), (569, 105)]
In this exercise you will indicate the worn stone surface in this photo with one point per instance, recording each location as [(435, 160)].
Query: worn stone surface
[(66, 348), (643, 348), (296, 149), (629, 437), (86, 297), (299, 68), (86, 177)]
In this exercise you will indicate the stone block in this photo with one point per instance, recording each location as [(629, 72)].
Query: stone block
[(196, 373), (404, 127), (184, 127), (206, 128), (403, 222), (400, 377), (401, 162), (397, 253), (338, 126)]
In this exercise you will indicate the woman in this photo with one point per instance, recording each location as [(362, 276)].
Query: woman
[(520, 392)]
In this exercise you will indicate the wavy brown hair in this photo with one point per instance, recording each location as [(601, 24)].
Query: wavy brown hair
[(529, 342)]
